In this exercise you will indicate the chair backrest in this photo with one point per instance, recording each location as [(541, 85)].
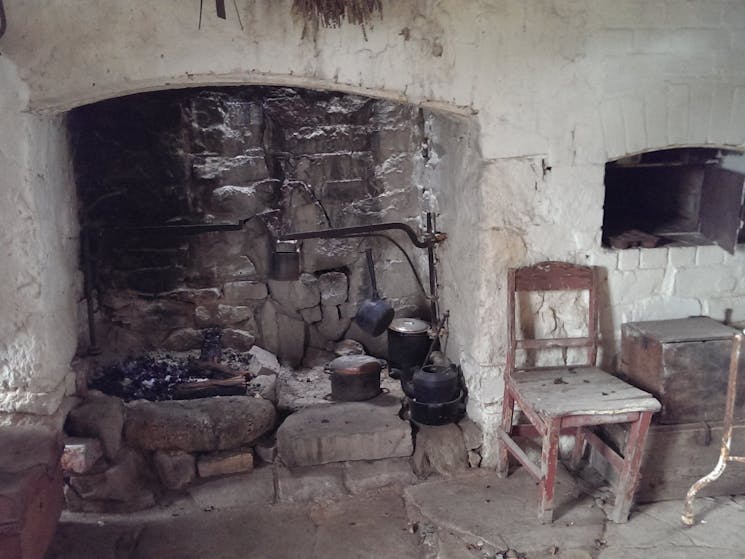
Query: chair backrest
[(553, 276)]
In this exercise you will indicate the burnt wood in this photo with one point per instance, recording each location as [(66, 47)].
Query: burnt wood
[(217, 370), (212, 387), (684, 363)]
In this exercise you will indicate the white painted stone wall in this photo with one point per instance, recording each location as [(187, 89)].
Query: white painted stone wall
[(38, 259), (553, 89)]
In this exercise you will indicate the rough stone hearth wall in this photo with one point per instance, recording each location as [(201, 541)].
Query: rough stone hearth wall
[(545, 88), (228, 155)]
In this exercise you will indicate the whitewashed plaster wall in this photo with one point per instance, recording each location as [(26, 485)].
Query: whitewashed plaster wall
[(38, 239), (553, 90)]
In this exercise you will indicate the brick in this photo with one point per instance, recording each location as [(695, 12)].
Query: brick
[(678, 106), (224, 463), (655, 110), (680, 41), (721, 111), (630, 13), (699, 115), (628, 259), (613, 128), (736, 128), (634, 124), (697, 282), (653, 258), (696, 13), (610, 40), (604, 258), (630, 287), (708, 255), (80, 454), (682, 256)]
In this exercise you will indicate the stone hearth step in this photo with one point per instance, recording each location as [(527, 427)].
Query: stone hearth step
[(369, 430)]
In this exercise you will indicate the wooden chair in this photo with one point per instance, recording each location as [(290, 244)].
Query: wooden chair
[(568, 398)]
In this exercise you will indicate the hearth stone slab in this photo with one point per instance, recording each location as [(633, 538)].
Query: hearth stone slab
[(303, 388), (205, 424), (255, 488), (368, 430), (440, 449), (316, 483), (361, 476)]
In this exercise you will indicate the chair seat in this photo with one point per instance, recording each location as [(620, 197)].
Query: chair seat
[(568, 391)]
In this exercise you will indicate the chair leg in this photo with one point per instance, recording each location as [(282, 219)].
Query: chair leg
[(503, 456), (579, 448), (549, 463), (629, 475)]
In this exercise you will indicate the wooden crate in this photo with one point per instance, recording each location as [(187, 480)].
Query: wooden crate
[(676, 456), (684, 363)]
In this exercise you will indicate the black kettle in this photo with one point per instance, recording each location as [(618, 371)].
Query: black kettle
[(434, 384)]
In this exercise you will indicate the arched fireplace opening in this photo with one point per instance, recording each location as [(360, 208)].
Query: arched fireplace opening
[(273, 159)]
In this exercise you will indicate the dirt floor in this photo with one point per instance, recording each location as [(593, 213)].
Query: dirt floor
[(474, 515)]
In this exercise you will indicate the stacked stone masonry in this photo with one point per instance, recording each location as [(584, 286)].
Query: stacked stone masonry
[(320, 159), (579, 84)]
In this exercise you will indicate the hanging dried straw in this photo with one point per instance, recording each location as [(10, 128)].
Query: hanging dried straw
[(331, 13)]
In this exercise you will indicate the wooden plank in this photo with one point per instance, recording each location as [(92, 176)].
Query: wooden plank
[(697, 328), (518, 453), (545, 343), (554, 276), (211, 387), (580, 391), (721, 200), (615, 460), (629, 474)]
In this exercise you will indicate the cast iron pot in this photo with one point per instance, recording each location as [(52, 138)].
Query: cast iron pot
[(434, 384), (408, 343), (440, 413), (354, 378)]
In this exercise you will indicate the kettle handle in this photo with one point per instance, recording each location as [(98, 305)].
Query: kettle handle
[(371, 269)]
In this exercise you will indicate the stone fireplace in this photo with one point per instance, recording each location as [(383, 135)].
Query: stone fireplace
[(523, 105), (272, 160)]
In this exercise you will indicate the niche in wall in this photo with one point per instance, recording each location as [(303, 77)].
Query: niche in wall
[(681, 196)]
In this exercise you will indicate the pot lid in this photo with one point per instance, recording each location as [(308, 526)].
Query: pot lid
[(409, 326), (354, 364)]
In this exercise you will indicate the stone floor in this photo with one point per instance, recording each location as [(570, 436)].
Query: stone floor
[(474, 515)]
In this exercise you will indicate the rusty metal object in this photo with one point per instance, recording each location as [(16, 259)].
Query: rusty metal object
[(724, 455)]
